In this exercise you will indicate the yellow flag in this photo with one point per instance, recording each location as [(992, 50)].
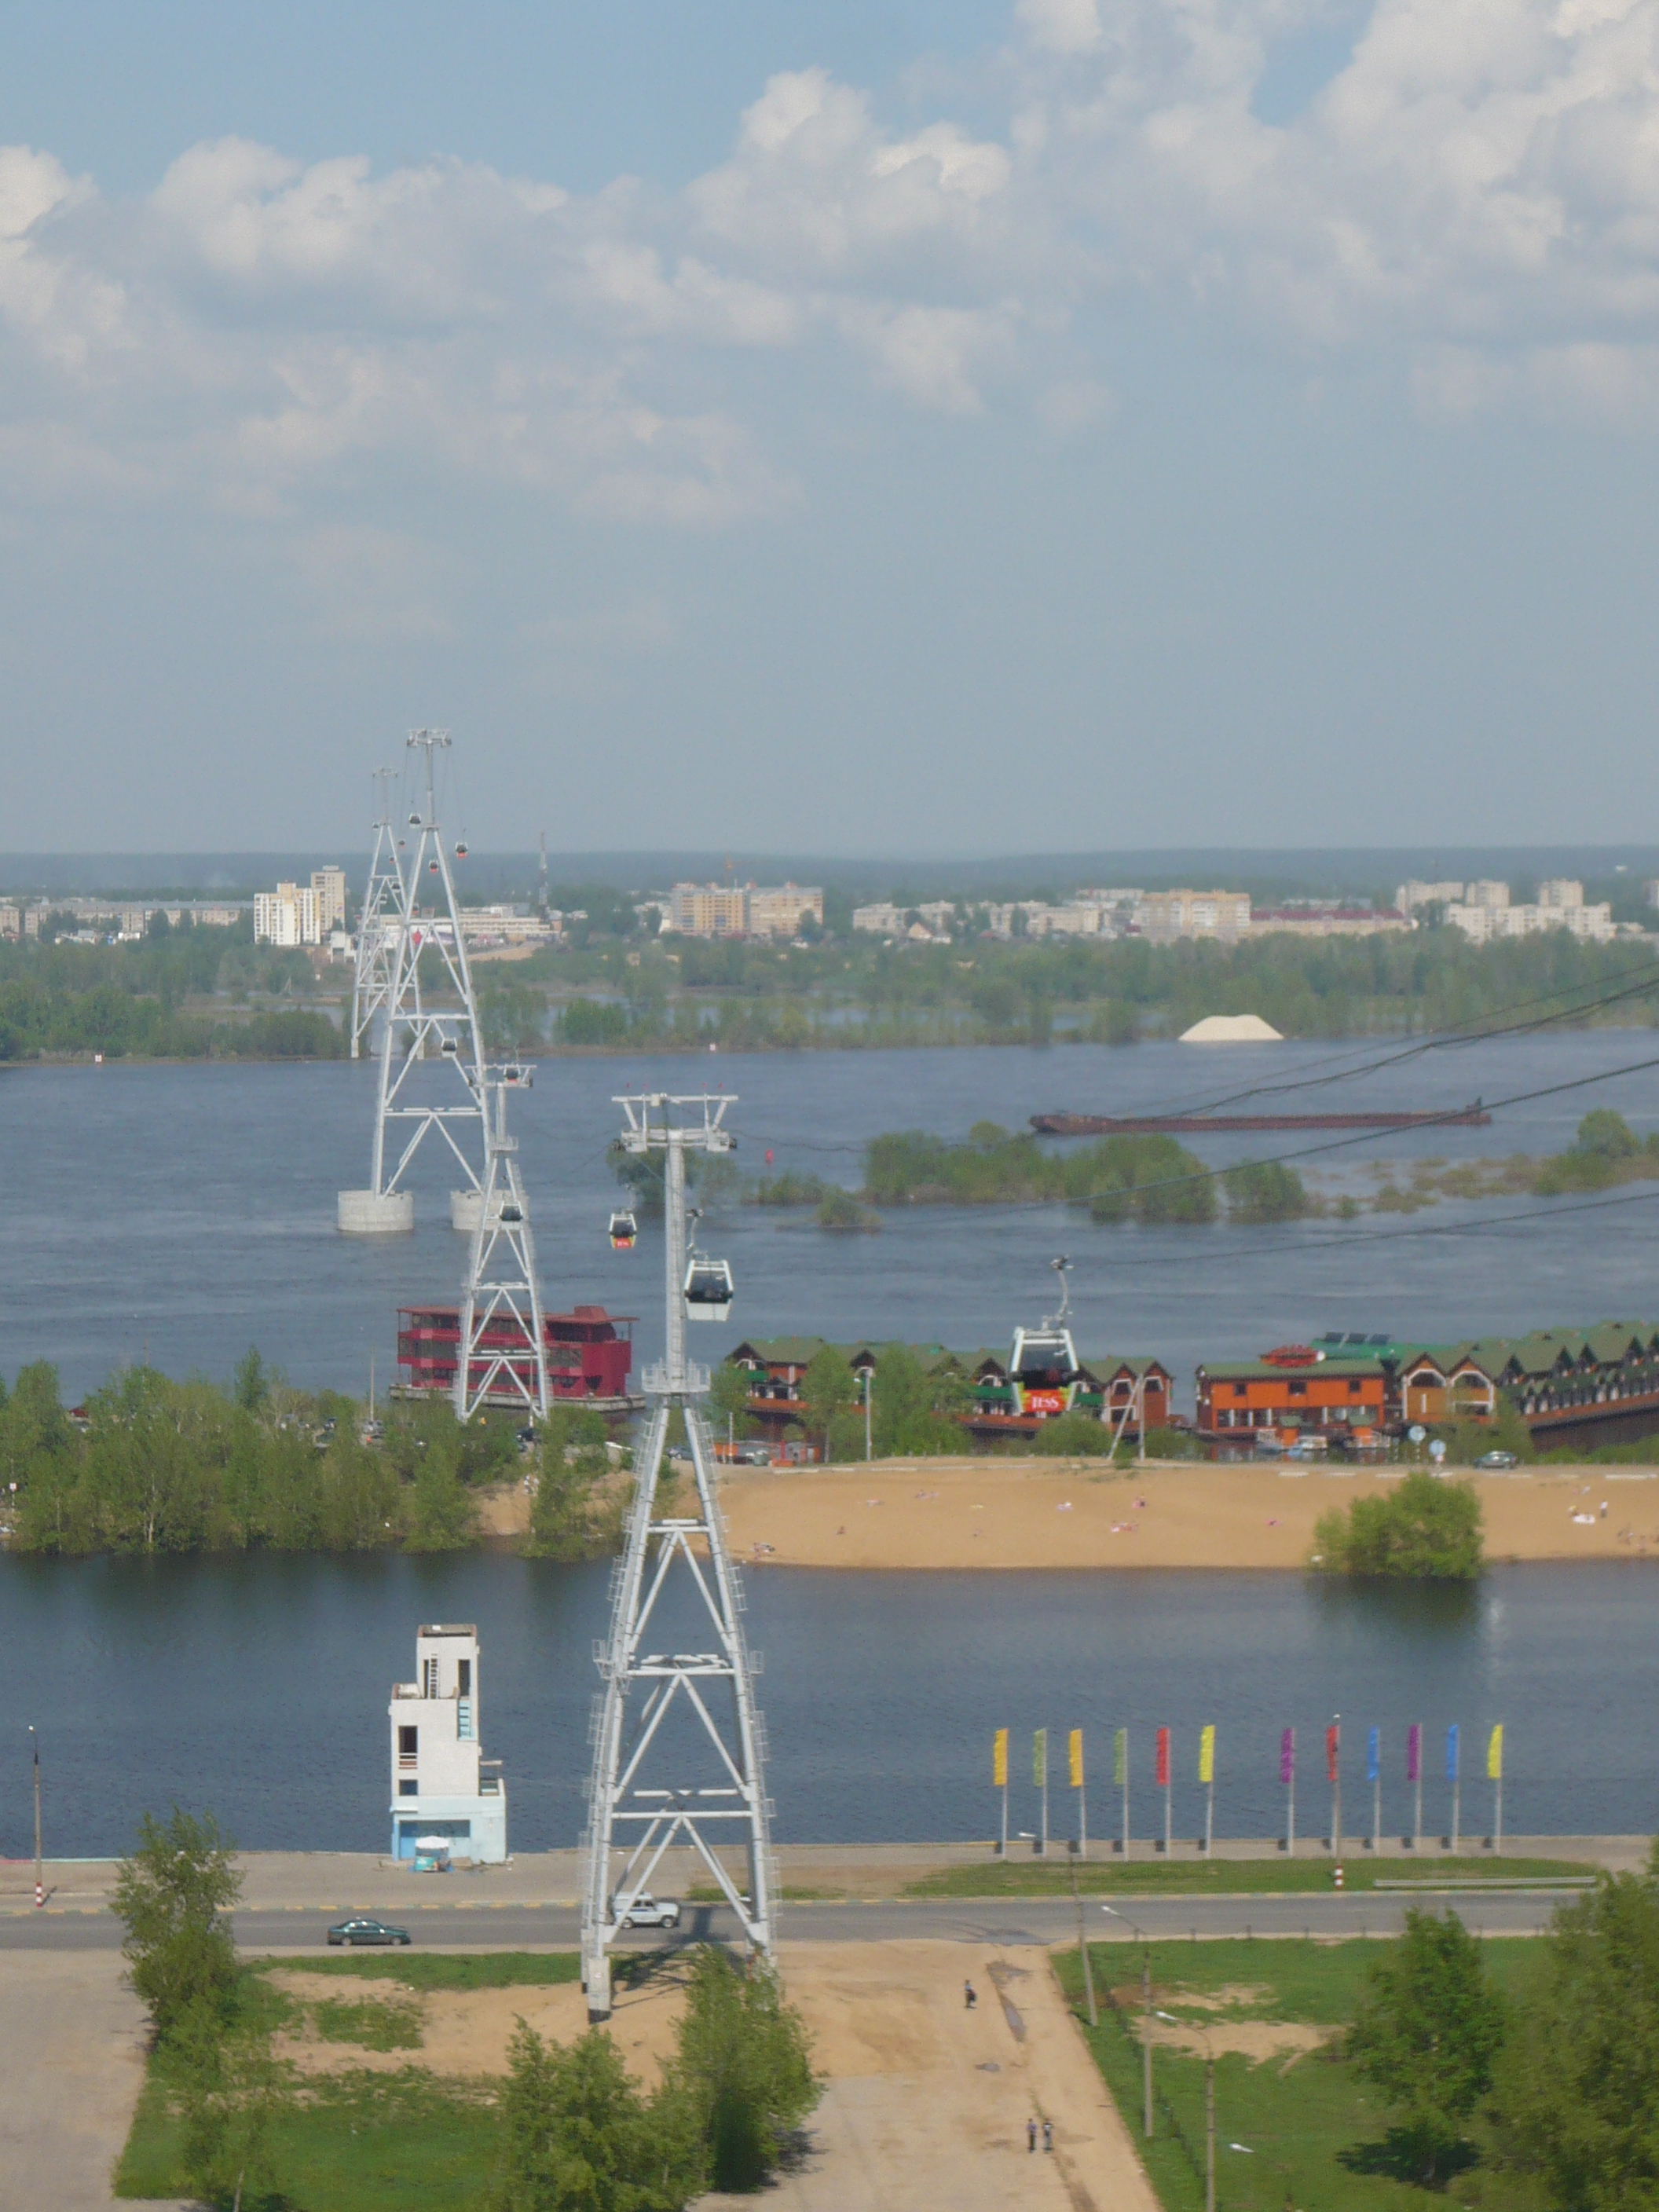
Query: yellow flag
[(1074, 1749), (1039, 1758), (1495, 1754), (1206, 1754), (1000, 1760)]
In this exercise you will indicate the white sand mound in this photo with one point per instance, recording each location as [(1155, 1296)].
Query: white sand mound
[(1231, 1029)]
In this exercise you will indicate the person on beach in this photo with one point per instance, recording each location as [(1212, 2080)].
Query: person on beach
[(1030, 2134), (969, 1995), (1048, 2135)]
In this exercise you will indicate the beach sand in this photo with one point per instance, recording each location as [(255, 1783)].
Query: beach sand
[(977, 1513)]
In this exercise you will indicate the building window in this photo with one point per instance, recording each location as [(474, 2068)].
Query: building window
[(408, 1789), (1298, 1389), (409, 1742), (464, 1677), (1239, 1390)]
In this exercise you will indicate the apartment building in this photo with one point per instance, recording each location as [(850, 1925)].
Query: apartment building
[(329, 888), (1165, 916), (744, 910), (1559, 905), (286, 916)]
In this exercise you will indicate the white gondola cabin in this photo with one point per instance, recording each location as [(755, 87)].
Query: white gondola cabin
[(708, 1289)]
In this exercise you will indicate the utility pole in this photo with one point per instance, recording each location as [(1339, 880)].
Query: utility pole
[(39, 1881), (1146, 2046), (1083, 1952), (631, 1748), (1209, 2129)]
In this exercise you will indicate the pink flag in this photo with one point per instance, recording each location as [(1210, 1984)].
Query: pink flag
[(1288, 1757), (1332, 1749), (1413, 1752)]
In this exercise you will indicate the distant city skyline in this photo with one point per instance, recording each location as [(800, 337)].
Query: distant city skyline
[(925, 426)]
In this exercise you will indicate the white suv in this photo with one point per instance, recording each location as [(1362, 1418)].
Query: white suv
[(652, 1912)]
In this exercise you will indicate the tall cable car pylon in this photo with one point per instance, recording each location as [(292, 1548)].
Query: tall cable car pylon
[(502, 1353), (645, 1795), (379, 920), (411, 1032)]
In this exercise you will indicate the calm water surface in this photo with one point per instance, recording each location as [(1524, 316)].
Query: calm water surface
[(259, 1687), (184, 1212)]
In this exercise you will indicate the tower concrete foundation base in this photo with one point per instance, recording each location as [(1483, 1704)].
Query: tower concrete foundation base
[(373, 1214), (466, 1206)]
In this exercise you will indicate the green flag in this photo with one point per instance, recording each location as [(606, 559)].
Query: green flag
[(1040, 1757), (1120, 1758)]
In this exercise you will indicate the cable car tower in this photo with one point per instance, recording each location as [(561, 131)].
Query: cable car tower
[(378, 922), (411, 1032), (641, 1800), (503, 1347)]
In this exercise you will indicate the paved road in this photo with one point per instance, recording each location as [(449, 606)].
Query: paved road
[(1008, 1920)]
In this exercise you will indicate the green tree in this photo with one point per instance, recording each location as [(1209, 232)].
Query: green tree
[(909, 1402), (438, 1515), (229, 2092), (1425, 1530), (1073, 1436), (1427, 2033), (1577, 2101), (171, 1895), (571, 1464), (728, 1400), (828, 1388), (252, 1386), (744, 2065), (1265, 1190), (578, 2135)]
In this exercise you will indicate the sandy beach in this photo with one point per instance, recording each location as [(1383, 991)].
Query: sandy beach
[(976, 1513)]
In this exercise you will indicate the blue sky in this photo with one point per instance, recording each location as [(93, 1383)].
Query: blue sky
[(1082, 422)]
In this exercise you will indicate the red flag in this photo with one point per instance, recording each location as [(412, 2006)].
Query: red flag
[(1332, 1744), (1163, 1758), (769, 1157)]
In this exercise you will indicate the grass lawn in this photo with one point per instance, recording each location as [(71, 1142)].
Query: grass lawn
[(1307, 2133), (1027, 1877), (360, 2141)]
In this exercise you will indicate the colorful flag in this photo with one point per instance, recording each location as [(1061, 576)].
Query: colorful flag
[(1207, 1754), (1121, 1758), (1000, 1760), (1373, 1754), (1332, 1750), (1495, 1754), (1452, 1752), (1414, 1752), (1040, 1757), (1288, 1757), (1074, 1751), (1163, 1758)]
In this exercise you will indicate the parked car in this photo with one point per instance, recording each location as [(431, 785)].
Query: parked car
[(362, 1930), (652, 1912), (754, 1455), (1495, 1458)]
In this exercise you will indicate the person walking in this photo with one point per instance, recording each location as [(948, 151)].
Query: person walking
[(1030, 2134), (970, 1996), (1048, 2135)]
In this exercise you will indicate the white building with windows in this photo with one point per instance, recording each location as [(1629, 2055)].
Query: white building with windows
[(441, 1785)]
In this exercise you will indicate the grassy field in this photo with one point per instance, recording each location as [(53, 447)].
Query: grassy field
[(360, 2141), (1292, 2128), (1149, 1877)]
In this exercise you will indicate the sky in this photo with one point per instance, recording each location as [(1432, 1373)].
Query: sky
[(1069, 424)]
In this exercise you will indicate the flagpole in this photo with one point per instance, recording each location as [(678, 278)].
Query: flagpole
[(1042, 1847), (1453, 1771)]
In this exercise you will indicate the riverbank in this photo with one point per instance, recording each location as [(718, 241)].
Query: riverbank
[(1026, 1513)]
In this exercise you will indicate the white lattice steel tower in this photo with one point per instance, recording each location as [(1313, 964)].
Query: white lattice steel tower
[(503, 1347), (413, 1033), (378, 921), (643, 1797)]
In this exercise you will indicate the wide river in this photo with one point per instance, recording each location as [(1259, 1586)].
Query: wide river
[(260, 1689), (183, 1213)]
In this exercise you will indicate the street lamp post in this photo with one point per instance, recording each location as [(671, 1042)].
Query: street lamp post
[(40, 1883)]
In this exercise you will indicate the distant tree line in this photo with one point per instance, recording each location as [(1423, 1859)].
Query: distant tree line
[(160, 1466)]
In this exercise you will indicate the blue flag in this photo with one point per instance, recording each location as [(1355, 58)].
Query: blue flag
[(1373, 1754), (1452, 1752)]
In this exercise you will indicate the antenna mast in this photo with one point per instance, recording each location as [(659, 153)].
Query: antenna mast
[(411, 1032), (625, 1816), (377, 921)]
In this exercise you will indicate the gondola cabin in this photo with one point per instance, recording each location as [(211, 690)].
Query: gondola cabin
[(624, 1232), (1043, 1369), (708, 1289)]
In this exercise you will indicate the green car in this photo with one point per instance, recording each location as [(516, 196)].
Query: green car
[(365, 1931)]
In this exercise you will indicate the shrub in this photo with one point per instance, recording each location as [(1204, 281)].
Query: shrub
[(171, 1894), (743, 2066), (1425, 1530)]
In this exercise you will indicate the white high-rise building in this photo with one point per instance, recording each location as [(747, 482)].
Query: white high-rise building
[(286, 916), (441, 1786), (328, 888)]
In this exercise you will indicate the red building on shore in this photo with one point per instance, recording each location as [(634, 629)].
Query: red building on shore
[(590, 1355)]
